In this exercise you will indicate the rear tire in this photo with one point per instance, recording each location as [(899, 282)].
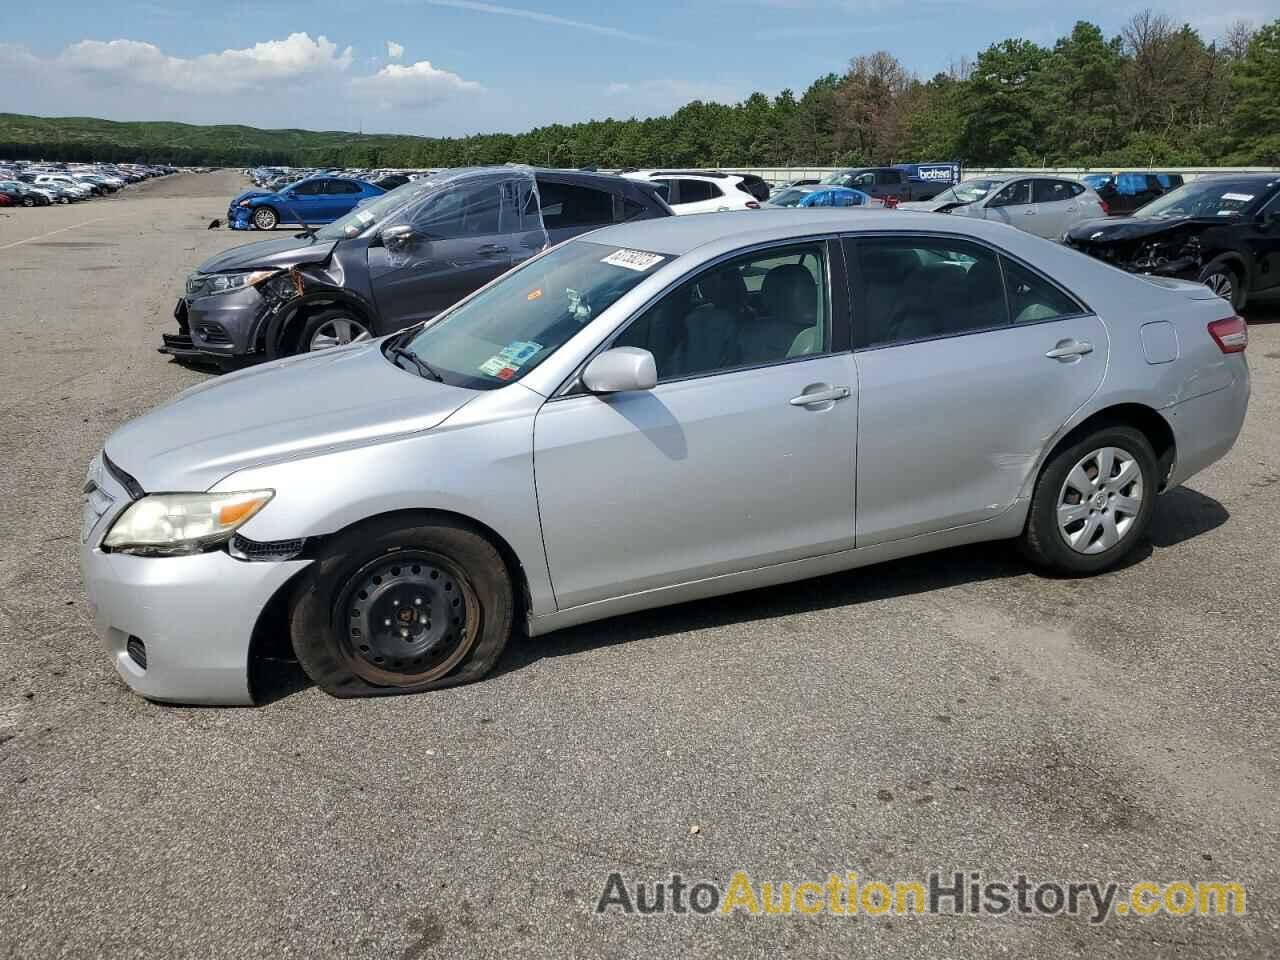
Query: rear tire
[(1224, 278), (1092, 502), (395, 606), (264, 218)]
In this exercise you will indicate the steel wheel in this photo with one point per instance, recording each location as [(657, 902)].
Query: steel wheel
[(264, 218), (337, 332), (1100, 500), (407, 618)]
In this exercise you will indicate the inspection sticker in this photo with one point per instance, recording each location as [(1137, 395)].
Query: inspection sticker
[(510, 358), (1241, 197), (637, 260)]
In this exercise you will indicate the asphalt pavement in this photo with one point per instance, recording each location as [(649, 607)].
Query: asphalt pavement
[(949, 712)]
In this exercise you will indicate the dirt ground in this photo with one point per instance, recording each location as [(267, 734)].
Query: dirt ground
[(950, 712)]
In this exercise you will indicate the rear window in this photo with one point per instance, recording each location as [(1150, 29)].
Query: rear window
[(572, 205), (695, 191)]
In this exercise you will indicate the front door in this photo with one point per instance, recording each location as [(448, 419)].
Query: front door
[(434, 255), (1013, 205), (957, 392), (741, 456)]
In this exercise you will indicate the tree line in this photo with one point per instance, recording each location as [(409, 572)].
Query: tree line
[(1158, 93)]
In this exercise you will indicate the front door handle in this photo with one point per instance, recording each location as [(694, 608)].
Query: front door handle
[(1068, 350), (819, 396), (492, 248)]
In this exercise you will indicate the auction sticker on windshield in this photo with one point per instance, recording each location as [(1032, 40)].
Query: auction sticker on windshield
[(637, 260), (510, 358)]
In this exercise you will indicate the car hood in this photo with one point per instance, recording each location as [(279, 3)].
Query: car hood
[(282, 252), (1120, 229), (286, 410), (928, 205), (249, 195)]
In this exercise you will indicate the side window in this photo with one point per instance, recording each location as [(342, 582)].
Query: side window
[(764, 307), (343, 187), (1076, 189), (1050, 191), (1032, 298), (1016, 193), (570, 205), (888, 177), (867, 179), (311, 188), (627, 209), (1130, 184), (465, 211), (920, 288), (695, 191)]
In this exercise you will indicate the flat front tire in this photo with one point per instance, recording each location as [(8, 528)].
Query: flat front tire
[(1092, 502), (398, 606)]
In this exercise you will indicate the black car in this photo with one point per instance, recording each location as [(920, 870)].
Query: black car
[(396, 260), (1222, 231), (1126, 192), (21, 195)]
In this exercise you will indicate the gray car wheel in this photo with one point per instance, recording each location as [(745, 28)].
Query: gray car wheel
[(264, 218), (332, 328), (1092, 502)]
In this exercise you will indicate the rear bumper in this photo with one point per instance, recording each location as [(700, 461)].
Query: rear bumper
[(1205, 428)]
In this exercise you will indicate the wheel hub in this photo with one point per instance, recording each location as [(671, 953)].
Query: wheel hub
[(407, 619)]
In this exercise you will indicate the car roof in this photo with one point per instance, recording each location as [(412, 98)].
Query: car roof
[(680, 235)]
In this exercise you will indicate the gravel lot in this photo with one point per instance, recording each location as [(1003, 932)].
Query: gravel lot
[(947, 712)]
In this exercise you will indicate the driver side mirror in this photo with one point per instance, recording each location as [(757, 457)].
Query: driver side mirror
[(398, 237), (621, 369)]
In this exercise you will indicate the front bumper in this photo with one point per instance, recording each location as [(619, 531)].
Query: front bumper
[(224, 325), (196, 616), (238, 218)]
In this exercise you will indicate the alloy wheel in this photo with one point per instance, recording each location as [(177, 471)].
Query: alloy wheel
[(337, 332), (1100, 500), (1222, 283), (264, 218), (407, 619)]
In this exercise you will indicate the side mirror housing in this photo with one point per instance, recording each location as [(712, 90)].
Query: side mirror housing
[(621, 369), (398, 236)]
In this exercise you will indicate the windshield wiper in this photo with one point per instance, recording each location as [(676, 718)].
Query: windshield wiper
[(423, 368)]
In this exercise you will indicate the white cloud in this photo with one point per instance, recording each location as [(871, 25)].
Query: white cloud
[(132, 62), (413, 85), (395, 50), (613, 89)]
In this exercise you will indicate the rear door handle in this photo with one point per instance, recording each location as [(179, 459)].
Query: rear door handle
[(819, 396), (1070, 350)]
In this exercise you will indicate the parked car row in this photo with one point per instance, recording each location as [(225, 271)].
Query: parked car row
[(25, 184)]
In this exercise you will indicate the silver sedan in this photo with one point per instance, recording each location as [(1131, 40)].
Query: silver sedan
[(656, 412)]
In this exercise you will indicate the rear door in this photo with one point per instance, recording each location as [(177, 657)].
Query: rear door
[(441, 251), (697, 196), (1056, 206), (341, 197), (957, 395), (305, 203), (569, 209)]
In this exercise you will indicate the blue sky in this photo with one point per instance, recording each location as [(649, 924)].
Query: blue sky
[(446, 67)]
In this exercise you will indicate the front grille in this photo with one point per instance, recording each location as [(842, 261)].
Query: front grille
[(212, 333), (137, 651), (242, 548)]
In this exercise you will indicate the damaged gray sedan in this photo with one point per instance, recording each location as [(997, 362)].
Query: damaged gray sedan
[(391, 262), (701, 398)]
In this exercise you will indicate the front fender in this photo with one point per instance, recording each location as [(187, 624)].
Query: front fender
[(318, 290)]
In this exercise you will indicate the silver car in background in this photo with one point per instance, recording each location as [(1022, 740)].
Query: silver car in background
[(652, 413), (1045, 206)]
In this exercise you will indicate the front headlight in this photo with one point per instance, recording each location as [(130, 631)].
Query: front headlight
[(214, 283), (175, 524)]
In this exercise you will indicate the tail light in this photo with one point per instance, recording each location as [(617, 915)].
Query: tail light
[(753, 205), (1106, 211), (1231, 334)]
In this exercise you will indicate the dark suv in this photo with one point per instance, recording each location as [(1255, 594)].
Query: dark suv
[(396, 260)]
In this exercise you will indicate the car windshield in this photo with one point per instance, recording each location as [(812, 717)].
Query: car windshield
[(373, 212), (967, 191), (1204, 198), (1095, 180), (788, 198), (506, 330)]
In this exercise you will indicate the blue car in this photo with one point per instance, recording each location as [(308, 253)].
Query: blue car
[(819, 195), (310, 201)]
